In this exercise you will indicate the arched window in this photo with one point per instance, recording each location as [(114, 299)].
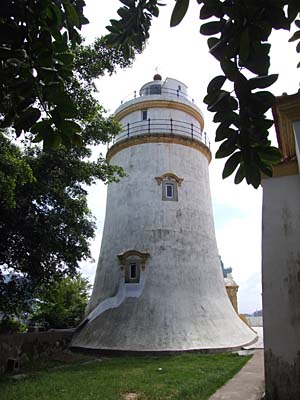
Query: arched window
[(133, 262), (169, 183)]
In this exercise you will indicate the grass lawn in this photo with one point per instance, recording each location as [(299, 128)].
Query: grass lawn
[(178, 377)]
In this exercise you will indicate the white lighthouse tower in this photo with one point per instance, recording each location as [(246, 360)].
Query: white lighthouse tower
[(159, 285)]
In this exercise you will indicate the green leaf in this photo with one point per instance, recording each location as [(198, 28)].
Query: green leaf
[(66, 58), (51, 142), (128, 3), (56, 14), (216, 83), (263, 123), (213, 97), (258, 61), (297, 22), (123, 12), (295, 36), (231, 164), (227, 147), (277, 18), (57, 117), (261, 82), (230, 70), (262, 101), (223, 132), (265, 168), (45, 39), (9, 33), (14, 63), (77, 139), (43, 130), (226, 117), (240, 175), (212, 42), (179, 12), (293, 9), (232, 103), (42, 127), (71, 12), (38, 138), (27, 119), (269, 154), (242, 87), (207, 11), (64, 104), (211, 28), (252, 174), (70, 126), (216, 47), (221, 96), (244, 46)]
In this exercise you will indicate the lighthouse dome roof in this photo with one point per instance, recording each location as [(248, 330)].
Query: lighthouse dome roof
[(168, 86)]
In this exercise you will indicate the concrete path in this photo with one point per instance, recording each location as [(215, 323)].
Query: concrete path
[(248, 384), (260, 343)]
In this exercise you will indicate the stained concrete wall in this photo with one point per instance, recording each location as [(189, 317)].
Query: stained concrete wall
[(24, 347), (182, 304), (281, 286)]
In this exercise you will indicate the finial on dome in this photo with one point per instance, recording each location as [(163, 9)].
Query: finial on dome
[(157, 77)]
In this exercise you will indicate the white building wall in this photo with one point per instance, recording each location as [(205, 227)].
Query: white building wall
[(182, 304), (281, 285), (296, 126), (160, 122)]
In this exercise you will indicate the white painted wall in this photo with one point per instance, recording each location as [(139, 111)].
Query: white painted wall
[(183, 304), (281, 264), (160, 123), (296, 126)]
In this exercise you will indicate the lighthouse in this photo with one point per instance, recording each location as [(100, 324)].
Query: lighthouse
[(159, 286)]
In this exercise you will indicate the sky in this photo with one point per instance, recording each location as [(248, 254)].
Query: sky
[(182, 53)]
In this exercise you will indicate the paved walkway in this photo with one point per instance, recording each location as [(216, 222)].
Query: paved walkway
[(248, 384)]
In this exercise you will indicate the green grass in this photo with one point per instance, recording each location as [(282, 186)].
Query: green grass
[(180, 377)]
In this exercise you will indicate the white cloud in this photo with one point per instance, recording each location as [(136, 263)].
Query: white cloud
[(182, 53)]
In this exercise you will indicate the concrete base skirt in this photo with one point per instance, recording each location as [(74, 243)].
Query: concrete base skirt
[(117, 353)]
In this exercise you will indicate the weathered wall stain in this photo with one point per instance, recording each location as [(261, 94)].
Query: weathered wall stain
[(293, 270), (287, 222), (283, 378), (32, 346)]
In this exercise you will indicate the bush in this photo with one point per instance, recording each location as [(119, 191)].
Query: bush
[(12, 326)]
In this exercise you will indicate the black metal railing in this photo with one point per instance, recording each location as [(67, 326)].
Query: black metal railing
[(162, 126), (163, 90)]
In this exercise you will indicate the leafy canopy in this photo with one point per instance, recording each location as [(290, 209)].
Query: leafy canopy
[(36, 61), (61, 305), (41, 58), (238, 33), (45, 223)]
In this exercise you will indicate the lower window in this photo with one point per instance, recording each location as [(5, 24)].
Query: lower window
[(132, 272)]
